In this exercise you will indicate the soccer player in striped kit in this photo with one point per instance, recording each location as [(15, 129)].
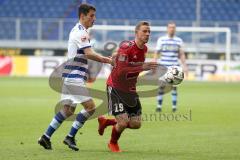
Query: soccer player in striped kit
[(170, 47), (75, 74)]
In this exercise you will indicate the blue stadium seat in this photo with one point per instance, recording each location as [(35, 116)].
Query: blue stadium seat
[(7, 30), (220, 10), (28, 30), (216, 10), (155, 10)]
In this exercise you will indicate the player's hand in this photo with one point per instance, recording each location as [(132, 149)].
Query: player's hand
[(107, 60), (149, 65), (113, 57)]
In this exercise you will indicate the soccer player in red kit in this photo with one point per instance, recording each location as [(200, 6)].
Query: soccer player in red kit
[(123, 100)]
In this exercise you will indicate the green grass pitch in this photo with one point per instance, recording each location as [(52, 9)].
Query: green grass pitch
[(212, 132)]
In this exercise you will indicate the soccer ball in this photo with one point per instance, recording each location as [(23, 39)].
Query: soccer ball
[(174, 75)]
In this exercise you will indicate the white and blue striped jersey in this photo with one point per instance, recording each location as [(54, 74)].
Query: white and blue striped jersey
[(76, 68), (169, 49)]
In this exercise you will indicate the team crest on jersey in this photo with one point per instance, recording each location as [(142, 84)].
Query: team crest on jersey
[(122, 57), (83, 38)]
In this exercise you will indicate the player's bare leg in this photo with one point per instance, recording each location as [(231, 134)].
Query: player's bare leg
[(135, 122)]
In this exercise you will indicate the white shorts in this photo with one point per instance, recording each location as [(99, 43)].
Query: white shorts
[(73, 94)]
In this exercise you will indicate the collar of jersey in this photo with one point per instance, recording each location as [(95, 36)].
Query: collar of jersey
[(82, 25), (170, 37)]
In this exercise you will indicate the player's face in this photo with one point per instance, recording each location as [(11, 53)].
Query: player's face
[(89, 18), (171, 29), (143, 33)]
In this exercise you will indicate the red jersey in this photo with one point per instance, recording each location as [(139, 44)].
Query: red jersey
[(128, 65)]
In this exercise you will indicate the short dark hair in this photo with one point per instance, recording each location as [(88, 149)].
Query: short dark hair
[(141, 23), (171, 22), (84, 9)]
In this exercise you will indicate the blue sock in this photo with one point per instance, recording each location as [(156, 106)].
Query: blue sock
[(79, 122), (55, 123), (160, 98), (174, 97)]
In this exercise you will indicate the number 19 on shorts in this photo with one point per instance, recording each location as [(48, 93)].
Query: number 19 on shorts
[(118, 107)]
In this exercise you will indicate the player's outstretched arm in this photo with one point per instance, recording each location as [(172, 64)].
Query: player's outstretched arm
[(139, 67), (155, 56), (97, 57), (183, 61), (149, 65)]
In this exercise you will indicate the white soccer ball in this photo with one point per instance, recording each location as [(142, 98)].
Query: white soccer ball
[(174, 75)]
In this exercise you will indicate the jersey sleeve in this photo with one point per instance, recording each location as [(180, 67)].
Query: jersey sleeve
[(82, 39)]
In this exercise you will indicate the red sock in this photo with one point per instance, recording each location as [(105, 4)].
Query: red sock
[(115, 135), (111, 122)]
